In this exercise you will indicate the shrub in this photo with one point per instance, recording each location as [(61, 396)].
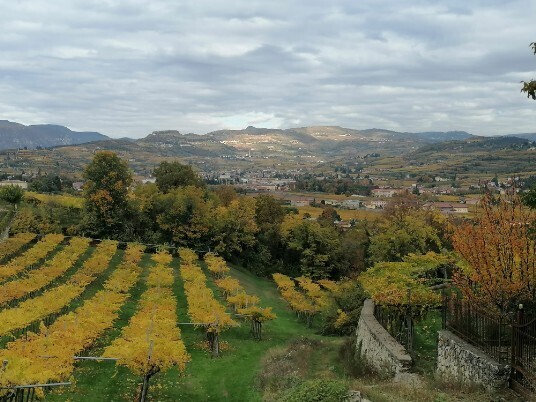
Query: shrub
[(318, 391), (349, 299)]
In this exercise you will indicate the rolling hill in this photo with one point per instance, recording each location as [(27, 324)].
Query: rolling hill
[(15, 135), (322, 141)]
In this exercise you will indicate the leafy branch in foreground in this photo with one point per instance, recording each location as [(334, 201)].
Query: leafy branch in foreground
[(530, 87)]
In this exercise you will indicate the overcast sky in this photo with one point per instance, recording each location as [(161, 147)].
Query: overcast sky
[(127, 68)]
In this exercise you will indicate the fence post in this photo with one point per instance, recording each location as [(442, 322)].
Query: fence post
[(519, 346), (409, 323), (444, 309)]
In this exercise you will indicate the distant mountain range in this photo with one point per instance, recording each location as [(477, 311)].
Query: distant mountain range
[(15, 135), (319, 141), (476, 144), (328, 141)]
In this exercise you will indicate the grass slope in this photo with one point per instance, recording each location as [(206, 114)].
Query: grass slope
[(289, 354), (230, 377)]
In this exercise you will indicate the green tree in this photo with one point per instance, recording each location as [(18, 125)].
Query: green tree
[(315, 248), (529, 198), (226, 194), (106, 196), (268, 212), (354, 246), (143, 203), (183, 216), (50, 184), (530, 87), (12, 194), (234, 227), (266, 257), (400, 235), (172, 175), (328, 216)]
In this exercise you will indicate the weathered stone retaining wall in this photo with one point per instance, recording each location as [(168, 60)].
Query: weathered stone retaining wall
[(459, 361), (377, 347)]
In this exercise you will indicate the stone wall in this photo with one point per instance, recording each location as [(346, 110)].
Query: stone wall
[(377, 347), (459, 361)]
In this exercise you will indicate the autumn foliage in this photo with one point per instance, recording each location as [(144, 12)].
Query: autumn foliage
[(56, 298), (244, 304), (301, 304), (499, 268), (152, 341), (11, 245), (47, 356), (46, 274), (31, 256), (203, 308)]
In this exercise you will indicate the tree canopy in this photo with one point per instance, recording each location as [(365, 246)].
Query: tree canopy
[(530, 87), (106, 195), (499, 267), (12, 194), (399, 235), (316, 248), (175, 174)]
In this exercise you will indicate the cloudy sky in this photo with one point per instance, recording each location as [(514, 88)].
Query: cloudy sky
[(127, 68)]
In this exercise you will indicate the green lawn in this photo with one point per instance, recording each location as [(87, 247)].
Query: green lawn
[(425, 342)]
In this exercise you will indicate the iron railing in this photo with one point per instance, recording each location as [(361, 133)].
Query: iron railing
[(490, 334), (398, 323), (523, 363)]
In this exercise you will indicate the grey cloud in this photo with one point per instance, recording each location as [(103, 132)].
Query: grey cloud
[(127, 68)]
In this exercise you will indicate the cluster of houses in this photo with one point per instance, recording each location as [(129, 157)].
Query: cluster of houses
[(445, 207), (19, 183)]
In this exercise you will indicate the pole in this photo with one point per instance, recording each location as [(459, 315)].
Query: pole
[(409, 323)]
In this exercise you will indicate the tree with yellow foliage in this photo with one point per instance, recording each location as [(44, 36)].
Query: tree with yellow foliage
[(151, 342), (499, 268), (203, 308)]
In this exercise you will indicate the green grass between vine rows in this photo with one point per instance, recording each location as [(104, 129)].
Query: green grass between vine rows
[(230, 377)]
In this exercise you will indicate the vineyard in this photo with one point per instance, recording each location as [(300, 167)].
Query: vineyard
[(105, 321)]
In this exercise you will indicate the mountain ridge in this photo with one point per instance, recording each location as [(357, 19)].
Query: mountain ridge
[(15, 135), (307, 141)]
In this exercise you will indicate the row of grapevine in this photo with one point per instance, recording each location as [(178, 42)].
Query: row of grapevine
[(301, 304), (48, 356), (244, 304), (313, 297), (152, 341), (331, 286), (334, 290), (12, 245), (46, 274), (54, 299), (203, 309), (32, 256), (313, 291), (216, 265), (67, 201)]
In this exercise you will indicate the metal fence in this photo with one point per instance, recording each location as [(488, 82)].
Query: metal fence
[(510, 341), (491, 334), (523, 363), (398, 322)]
